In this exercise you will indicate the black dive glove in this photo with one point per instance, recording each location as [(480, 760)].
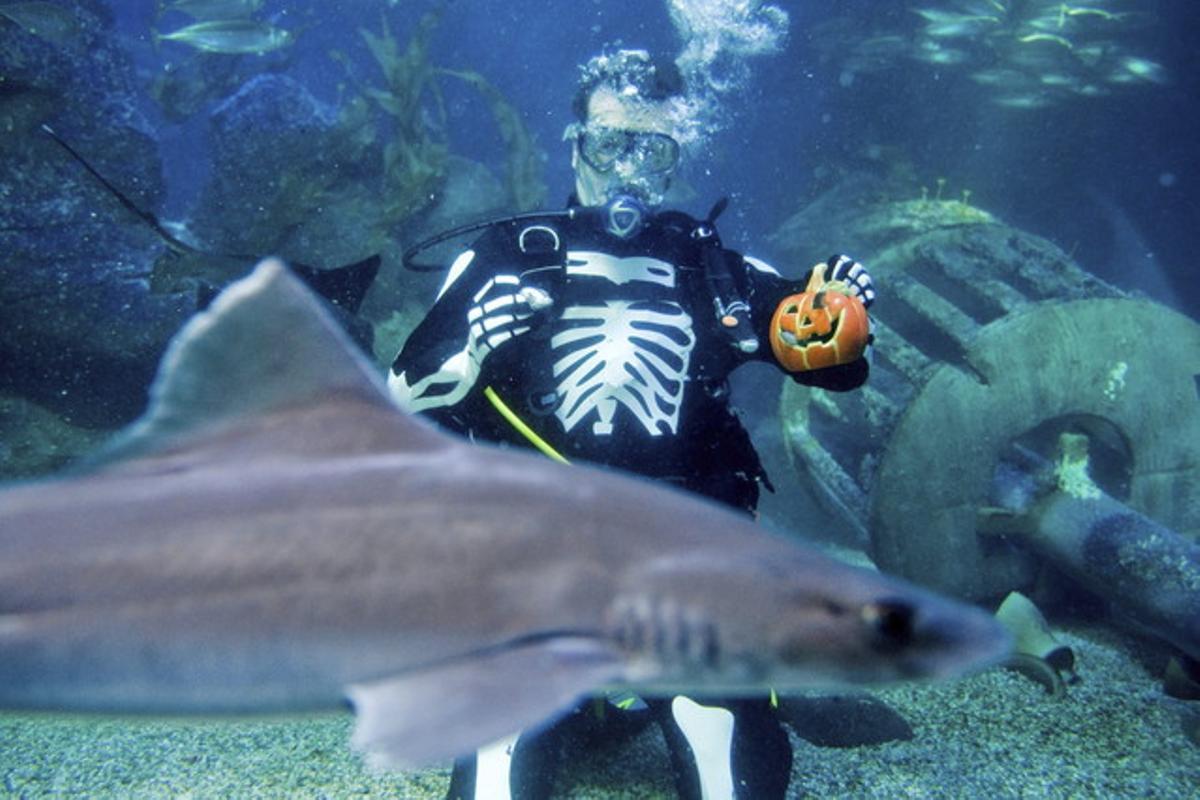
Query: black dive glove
[(845, 269)]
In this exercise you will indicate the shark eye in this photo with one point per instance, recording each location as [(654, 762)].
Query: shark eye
[(891, 623)]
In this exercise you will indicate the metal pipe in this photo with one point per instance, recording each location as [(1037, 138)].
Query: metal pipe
[(1149, 573)]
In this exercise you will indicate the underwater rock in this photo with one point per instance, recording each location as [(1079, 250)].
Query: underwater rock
[(470, 192), (84, 86), (34, 441), (79, 332), (287, 178), (186, 86), (83, 338)]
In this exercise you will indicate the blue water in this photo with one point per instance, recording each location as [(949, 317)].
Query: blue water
[(1112, 179)]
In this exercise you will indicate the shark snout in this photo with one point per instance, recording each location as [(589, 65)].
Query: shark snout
[(949, 639)]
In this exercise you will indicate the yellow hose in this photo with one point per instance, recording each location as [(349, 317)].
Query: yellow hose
[(523, 429)]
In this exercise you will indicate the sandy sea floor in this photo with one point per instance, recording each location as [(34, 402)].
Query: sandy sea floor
[(995, 735)]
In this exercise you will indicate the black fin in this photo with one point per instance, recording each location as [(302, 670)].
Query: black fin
[(205, 294), (344, 286)]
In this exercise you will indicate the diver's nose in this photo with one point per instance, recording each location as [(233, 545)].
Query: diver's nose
[(627, 167)]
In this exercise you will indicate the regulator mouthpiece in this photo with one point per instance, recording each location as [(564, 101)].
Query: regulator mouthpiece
[(625, 216)]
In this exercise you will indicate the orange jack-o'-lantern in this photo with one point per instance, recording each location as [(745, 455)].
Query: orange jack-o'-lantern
[(818, 329)]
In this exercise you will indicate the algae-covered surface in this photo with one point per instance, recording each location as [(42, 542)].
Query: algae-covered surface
[(996, 734)]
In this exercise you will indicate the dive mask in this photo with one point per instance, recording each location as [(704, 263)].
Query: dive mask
[(653, 153)]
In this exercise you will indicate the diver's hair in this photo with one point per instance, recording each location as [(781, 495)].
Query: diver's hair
[(628, 71)]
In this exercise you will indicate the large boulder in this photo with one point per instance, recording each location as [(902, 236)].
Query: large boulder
[(80, 332), (291, 176)]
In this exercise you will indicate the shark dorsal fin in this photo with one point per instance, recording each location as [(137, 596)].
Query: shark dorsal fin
[(264, 348)]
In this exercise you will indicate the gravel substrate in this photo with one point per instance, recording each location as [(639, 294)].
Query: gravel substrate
[(995, 735), (999, 735)]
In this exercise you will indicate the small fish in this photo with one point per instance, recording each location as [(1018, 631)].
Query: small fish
[(230, 36), (1033, 38), (274, 535), (212, 9), (48, 21), (1024, 102), (1090, 90), (937, 16), (1142, 69), (947, 25), (999, 77), (1084, 11), (1094, 53), (931, 52), (1059, 80)]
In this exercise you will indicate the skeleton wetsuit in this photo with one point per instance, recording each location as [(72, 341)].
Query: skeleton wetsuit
[(608, 348)]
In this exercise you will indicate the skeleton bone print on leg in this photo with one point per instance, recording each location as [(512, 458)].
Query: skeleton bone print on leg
[(622, 353)]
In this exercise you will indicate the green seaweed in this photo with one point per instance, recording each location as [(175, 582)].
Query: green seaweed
[(525, 160), (414, 161), (927, 212), (384, 161)]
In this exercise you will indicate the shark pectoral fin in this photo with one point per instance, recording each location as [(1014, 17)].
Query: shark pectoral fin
[(435, 714)]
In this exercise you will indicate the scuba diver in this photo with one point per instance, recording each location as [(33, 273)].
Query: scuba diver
[(606, 333)]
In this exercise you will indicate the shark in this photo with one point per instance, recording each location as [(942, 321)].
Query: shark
[(275, 535)]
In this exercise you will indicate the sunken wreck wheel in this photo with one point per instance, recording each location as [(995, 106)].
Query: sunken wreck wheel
[(986, 339)]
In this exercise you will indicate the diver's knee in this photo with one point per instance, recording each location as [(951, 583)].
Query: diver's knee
[(492, 767), (709, 732)]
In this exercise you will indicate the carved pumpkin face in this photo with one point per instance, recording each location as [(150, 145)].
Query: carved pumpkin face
[(814, 330)]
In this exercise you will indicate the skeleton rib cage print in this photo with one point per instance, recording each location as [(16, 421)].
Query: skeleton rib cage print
[(617, 353)]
